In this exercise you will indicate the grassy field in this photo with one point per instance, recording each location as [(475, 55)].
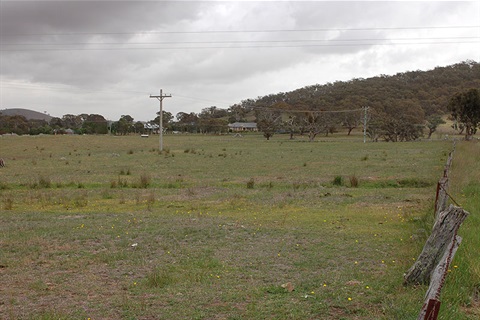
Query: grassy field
[(218, 227)]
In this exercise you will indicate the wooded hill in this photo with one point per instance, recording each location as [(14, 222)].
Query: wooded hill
[(423, 93), (27, 113), (400, 107)]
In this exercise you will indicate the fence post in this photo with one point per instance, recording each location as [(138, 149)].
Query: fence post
[(431, 305), (444, 230)]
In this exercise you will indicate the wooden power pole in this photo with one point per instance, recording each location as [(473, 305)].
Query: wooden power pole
[(365, 124), (160, 129)]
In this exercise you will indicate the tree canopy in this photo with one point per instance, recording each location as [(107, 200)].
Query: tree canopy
[(465, 109)]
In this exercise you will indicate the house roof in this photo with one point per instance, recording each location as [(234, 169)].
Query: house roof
[(251, 125)]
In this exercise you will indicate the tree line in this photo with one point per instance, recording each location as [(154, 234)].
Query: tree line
[(402, 107)]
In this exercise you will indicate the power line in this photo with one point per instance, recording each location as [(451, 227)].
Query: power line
[(245, 31), (243, 47), (303, 111), (233, 41)]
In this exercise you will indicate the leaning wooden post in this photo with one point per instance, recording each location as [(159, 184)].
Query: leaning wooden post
[(431, 305), (443, 232)]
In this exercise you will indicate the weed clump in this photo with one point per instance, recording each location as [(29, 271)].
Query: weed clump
[(353, 181), (42, 182), (8, 203), (123, 172), (119, 183), (338, 181), (160, 278), (145, 180)]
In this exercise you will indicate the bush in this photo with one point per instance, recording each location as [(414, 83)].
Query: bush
[(338, 181)]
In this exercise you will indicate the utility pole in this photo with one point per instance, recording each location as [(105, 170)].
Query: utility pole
[(160, 98), (365, 125)]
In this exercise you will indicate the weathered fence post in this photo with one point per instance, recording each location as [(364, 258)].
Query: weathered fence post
[(442, 186), (443, 233), (431, 305)]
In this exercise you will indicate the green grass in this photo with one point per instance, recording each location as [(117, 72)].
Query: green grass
[(214, 228), (462, 288)]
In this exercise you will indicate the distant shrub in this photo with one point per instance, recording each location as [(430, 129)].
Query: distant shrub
[(337, 181)]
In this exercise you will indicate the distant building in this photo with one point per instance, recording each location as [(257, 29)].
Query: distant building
[(152, 127), (242, 126)]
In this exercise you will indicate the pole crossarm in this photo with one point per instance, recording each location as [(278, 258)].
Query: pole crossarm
[(160, 129)]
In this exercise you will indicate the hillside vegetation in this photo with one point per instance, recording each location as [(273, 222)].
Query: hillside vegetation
[(400, 108), (425, 92)]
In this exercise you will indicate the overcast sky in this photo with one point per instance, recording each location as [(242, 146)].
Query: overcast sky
[(107, 57)]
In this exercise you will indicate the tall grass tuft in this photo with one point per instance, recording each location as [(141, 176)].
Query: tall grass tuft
[(353, 181), (145, 180), (160, 278), (150, 200), (251, 183), (7, 203), (41, 182)]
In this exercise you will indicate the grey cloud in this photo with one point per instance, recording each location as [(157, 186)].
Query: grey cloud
[(221, 74), (23, 17)]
